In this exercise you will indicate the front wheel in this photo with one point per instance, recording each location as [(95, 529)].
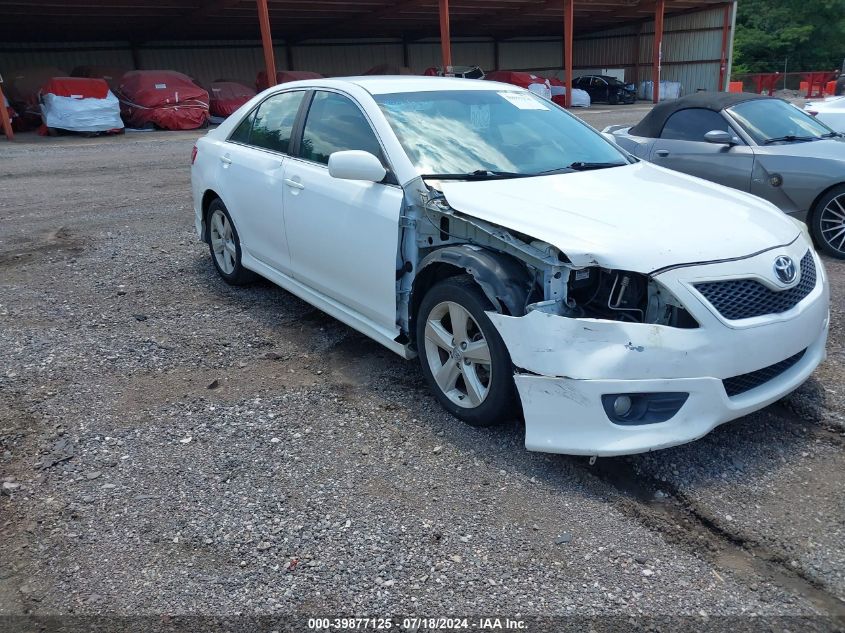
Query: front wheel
[(827, 224), (463, 357)]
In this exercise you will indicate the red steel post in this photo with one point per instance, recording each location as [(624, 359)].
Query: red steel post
[(723, 65), (445, 37), (267, 42), (568, 30), (657, 52)]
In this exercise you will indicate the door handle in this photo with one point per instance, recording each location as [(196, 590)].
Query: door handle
[(226, 160), (663, 153), (294, 183)]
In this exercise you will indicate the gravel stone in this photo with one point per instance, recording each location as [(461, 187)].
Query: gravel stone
[(353, 490)]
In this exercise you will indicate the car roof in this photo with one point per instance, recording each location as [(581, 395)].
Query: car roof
[(652, 124), (390, 84)]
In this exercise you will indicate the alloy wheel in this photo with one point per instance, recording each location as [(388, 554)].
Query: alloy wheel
[(223, 242), (458, 354), (832, 222)]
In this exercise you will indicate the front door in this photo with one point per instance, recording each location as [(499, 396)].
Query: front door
[(343, 234), (682, 147)]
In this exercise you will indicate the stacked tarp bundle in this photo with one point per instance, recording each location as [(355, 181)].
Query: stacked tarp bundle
[(80, 104), (669, 90), (162, 98), (228, 96), (284, 76)]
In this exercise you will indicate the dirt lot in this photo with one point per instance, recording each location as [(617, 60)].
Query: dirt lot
[(170, 445)]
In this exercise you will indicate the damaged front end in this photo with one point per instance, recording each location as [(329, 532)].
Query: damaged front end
[(520, 274), (606, 361)]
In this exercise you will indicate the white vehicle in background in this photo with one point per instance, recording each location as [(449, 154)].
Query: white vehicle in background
[(830, 111), (481, 227)]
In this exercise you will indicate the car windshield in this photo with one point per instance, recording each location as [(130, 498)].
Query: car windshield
[(773, 120), (504, 133)]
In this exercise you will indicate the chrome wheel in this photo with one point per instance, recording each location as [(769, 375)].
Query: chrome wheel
[(458, 354), (832, 222), (223, 241)]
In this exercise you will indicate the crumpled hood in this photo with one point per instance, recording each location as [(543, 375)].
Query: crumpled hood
[(639, 217)]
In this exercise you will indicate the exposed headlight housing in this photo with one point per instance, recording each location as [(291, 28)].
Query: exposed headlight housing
[(622, 295)]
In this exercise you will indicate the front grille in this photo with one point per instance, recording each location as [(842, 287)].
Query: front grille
[(746, 382), (746, 298)]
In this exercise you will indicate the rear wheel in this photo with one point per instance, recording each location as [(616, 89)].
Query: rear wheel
[(463, 357), (225, 246), (827, 224)]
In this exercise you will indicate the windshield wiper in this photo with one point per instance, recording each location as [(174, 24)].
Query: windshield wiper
[(478, 174), (789, 139), (833, 135), (582, 166)]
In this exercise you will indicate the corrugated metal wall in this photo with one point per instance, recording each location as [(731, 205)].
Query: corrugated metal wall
[(691, 54)]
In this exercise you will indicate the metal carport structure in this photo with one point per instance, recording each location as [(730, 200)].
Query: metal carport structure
[(30, 24)]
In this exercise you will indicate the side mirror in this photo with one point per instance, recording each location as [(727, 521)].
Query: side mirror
[(720, 137), (355, 164)]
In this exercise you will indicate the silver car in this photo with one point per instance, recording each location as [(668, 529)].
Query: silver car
[(754, 143)]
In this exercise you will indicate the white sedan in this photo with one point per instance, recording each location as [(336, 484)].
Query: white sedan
[(533, 266), (830, 111)]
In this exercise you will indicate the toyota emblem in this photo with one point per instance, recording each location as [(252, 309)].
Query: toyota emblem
[(785, 270)]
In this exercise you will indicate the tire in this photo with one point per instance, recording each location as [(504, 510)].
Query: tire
[(480, 393), (225, 245), (827, 223)]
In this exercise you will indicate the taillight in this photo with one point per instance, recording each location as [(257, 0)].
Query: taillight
[(193, 154)]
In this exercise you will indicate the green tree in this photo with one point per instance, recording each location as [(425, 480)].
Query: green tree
[(811, 33)]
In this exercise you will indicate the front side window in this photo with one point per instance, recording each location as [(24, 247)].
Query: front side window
[(274, 121), (773, 120), (462, 131), (692, 124), (335, 123)]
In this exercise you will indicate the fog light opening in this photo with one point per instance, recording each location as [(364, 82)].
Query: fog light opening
[(631, 409), (622, 406)]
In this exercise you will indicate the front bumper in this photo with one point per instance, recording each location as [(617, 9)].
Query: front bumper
[(565, 365)]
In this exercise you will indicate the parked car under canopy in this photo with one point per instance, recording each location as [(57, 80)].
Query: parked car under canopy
[(164, 99)]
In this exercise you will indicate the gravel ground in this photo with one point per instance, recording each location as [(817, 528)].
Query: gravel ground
[(170, 445)]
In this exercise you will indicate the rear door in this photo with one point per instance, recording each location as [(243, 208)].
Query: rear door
[(251, 177), (682, 147), (343, 234)]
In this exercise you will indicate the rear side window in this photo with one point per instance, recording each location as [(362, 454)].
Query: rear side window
[(241, 133), (692, 124), (335, 123)]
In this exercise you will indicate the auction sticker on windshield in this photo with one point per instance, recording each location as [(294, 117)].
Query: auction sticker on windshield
[(523, 101)]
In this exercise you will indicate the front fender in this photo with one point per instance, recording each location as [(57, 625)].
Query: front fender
[(505, 281)]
